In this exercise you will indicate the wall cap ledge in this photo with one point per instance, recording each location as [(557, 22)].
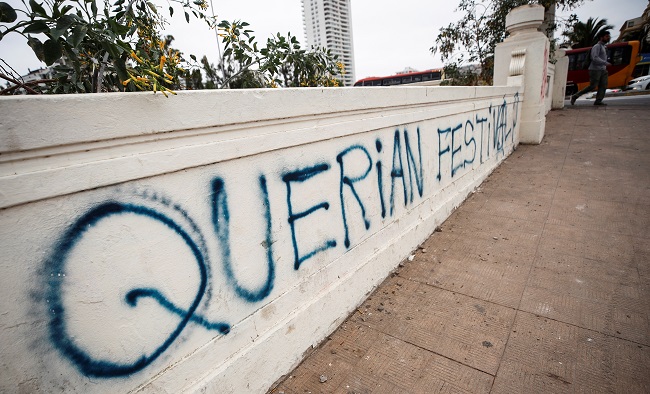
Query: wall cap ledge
[(526, 18)]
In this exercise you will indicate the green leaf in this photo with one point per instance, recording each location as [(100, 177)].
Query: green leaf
[(187, 17), (192, 57), (171, 11), (52, 51), (113, 50), (65, 9), (93, 7), (120, 69), (36, 27), (37, 47), (116, 27), (7, 13), (62, 25), (75, 60), (78, 34), (37, 8)]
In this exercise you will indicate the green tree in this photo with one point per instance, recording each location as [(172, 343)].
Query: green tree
[(291, 66), (473, 38), (211, 74), (120, 48), (95, 46), (282, 62), (582, 35)]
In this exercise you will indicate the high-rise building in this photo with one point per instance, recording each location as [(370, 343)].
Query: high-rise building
[(328, 23)]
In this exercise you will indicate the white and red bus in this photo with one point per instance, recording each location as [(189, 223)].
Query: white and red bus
[(428, 77)]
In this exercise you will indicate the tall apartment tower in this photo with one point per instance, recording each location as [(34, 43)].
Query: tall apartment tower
[(328, 23)]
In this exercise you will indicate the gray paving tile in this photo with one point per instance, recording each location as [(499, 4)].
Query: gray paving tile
[(546, 356)]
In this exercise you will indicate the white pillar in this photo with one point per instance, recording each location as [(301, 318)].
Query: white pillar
[(559, 84), (522, 23), (550, 85)]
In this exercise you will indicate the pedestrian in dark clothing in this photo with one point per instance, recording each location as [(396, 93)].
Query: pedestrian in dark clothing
[(597, 70)]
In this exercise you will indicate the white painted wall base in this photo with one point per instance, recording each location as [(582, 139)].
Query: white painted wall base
[(529, 132)]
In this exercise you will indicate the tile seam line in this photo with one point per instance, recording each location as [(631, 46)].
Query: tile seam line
[(585, 328), (418, 346), (429, 350), (526, 312), (591, 229), (537, 247), (459, 292)]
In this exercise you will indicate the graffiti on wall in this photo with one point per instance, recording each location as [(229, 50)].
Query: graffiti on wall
[(399, 168)]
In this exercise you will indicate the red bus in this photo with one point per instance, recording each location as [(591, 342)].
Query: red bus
[(420, 77), (623, 56)]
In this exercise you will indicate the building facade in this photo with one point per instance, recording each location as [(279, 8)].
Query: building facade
[(328, 24)]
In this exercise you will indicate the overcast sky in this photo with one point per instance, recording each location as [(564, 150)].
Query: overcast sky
[(388, 35)]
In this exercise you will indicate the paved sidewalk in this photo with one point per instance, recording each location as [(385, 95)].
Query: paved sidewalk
[(538, 283)]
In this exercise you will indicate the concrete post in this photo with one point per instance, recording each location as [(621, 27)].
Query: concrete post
[(559, 83), (509, 64), (550, 85)]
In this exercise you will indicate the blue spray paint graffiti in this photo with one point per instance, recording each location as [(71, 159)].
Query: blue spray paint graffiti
[(380, 182), (458, 145), (415, 171), (480, 121), (221, 223), (59, 334), (132, 299), (471, 141), (396, 172), (495, 125), (350, 181), (302, 176)]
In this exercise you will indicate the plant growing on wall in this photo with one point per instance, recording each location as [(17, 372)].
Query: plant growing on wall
[(120, 48), (94, 46), (282, 62)]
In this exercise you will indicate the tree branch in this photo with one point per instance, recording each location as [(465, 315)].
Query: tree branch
[(18, 84), (100, 76)]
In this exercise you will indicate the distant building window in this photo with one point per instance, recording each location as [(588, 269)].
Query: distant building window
[(630, 23)]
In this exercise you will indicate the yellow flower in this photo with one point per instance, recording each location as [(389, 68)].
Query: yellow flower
[(133, 55)]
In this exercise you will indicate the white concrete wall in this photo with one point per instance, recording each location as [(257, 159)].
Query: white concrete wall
[(204, 242)]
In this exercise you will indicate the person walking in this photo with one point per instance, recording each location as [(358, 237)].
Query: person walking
[(597, 70)]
